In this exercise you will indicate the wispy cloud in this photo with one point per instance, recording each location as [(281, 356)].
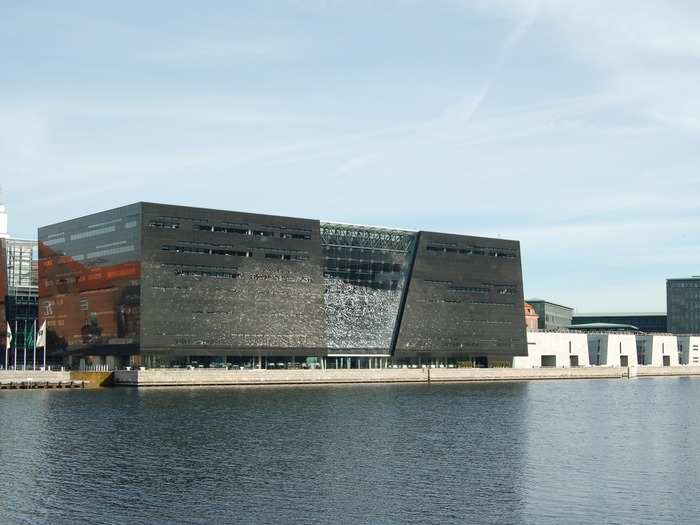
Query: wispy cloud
[(572, 126)]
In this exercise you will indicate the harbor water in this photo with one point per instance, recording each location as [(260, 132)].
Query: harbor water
[(546, 452)]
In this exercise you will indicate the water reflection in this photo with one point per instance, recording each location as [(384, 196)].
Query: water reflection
[(548, 452)]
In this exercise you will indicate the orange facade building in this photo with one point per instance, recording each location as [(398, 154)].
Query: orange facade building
[(531, 317)]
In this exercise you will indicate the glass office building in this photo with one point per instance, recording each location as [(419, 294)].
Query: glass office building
[(683, 305), (164, 285), (552, 316), (18, 291)]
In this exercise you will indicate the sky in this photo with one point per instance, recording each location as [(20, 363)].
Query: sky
[(573, 127)]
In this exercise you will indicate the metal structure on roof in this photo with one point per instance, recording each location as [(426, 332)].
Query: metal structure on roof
[(385, 239), (603, 326)]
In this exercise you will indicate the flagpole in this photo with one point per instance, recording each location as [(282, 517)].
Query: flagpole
[(46, 342), (7, 346), (24, 363), (15, 346), (34, 354)]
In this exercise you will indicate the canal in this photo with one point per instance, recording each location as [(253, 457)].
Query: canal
[(545, 452)]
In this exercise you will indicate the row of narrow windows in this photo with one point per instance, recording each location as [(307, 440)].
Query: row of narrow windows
[(205, 251), (229, 275), (94, 230), (92, 233), (164, 225), (233, 253), (374, 266), (475, 250), (500, 289), (469, 289), (205, 273), (196, 272), (211, 245), (481, 289), (459, 301), (241, 231), (171, 225)]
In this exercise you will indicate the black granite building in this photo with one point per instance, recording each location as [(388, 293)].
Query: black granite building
[(170, 285)]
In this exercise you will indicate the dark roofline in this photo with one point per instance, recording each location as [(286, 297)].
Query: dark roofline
[(322, 221), (85, 216)]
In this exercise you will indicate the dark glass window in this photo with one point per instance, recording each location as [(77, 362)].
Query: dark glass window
[(164, 224)]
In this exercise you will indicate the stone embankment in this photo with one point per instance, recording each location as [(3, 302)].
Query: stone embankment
[(39, 375), (213, 377), (207, 376), (28, 379), (656, 371), (31, 379)]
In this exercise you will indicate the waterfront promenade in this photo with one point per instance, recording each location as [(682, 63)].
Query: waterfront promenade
[(211, 377), (218, 377)]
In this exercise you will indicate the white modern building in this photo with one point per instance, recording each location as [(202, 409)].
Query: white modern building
[(554, 349), (657, 350), (612, 349), (689, 349)]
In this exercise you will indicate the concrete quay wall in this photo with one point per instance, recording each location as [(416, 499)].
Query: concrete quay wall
[(198, 377), (656, 371), (185, 377), (515, 374), (33, 375)]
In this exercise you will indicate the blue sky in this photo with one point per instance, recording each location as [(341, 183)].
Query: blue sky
[(573, 127)]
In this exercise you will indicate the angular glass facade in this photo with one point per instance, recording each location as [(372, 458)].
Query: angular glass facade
[(365, 272)]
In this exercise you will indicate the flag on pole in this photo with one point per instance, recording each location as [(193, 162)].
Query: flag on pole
[(34, 349), (8, 343), (28, 337), (41, 336)]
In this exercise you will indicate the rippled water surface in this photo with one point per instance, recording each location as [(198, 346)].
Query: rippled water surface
[(617, 451)]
